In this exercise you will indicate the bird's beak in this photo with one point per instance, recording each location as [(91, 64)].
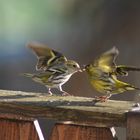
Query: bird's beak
[(80, 70), (83, 69)]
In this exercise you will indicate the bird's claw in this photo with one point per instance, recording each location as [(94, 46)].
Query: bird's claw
[(101, 98), (66, 94)]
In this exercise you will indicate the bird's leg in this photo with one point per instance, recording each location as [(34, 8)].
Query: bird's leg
[(64, 93), (49, 91), (109, 95), (103, 98)]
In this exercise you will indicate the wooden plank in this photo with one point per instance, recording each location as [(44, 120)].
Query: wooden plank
[(76, 132), (77, 110), (133, 125), (17, 130)]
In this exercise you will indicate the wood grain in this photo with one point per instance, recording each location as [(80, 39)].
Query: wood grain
[(76, 110), (133, 125), (74, 132), (17, 130)]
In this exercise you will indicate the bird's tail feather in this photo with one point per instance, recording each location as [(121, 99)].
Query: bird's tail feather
[(131, 87), (27, 74), (132, 69), (137, 88), (123, 70), (128, 68)]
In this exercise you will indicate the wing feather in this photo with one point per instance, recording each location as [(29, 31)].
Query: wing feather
[(46, 56), (106, 62)]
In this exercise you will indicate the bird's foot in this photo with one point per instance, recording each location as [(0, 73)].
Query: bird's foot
[(50, 93), (101, 98), (45, 94), (66, 94)]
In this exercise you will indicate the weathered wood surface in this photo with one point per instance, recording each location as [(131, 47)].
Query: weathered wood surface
[(17, 130), (133, 125), (74, 132), (75, 110)]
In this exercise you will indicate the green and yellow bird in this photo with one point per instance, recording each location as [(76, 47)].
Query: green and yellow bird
[(55, 69), (103, 72)]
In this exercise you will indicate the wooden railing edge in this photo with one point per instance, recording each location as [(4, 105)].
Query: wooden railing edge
[(74, 114)]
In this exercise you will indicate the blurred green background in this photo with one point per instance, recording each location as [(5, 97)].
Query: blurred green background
[(80, 29)]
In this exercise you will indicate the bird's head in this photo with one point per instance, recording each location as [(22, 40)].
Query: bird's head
[(73, 66), (89, 68)]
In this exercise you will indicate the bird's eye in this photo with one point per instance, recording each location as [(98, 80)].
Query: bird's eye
[(74, 66)]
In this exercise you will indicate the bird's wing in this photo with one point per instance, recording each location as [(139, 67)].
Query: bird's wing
[(123, 70), (106, 62), (49, 76), (43, 76), (46, 56)]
